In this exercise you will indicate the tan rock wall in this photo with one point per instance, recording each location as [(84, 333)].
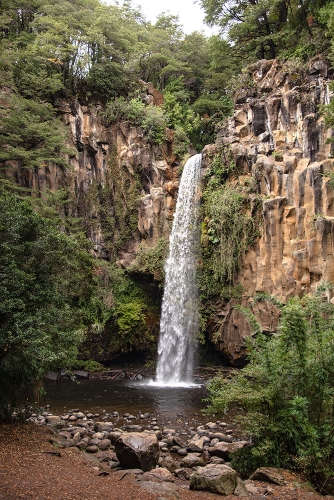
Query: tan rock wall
[(278, 136), (98, 148)]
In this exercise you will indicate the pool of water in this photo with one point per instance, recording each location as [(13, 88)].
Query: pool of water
[(175, 405)]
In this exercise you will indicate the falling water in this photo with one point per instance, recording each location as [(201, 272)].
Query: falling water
[(179, 315)]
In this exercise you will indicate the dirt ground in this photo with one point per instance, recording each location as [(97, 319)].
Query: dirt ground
[(32, 468)]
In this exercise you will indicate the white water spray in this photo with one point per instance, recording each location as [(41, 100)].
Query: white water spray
[(179, 314)]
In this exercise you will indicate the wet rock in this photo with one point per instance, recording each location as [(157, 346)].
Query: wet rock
[(138, 450), (158, 475), (219, 479), (225, 450)]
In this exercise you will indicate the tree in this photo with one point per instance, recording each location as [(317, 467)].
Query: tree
[(30, 134), (46, 279), (265, 28)]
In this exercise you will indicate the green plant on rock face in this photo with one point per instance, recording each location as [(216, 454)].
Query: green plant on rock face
[(151, 259), (228, 230), (286, 392)]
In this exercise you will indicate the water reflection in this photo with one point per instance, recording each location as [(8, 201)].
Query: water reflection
[(107, 396)]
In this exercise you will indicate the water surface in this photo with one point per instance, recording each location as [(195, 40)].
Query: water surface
[(177, 405)]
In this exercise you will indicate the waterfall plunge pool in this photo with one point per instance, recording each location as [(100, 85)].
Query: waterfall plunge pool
[(178, 406)]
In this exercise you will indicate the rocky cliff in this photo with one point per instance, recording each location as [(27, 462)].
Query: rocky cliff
[(278, 136), (125, 189)]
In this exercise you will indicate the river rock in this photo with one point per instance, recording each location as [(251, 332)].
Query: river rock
[(138, 450), (196, 444), (268, 474), (158, 475), (91, 449), (220, 436), (168, 463), (81, 445), (104, 444), (220, 479), (182, 452), (113, 436), (52, 419), (192, 460), (98, 435), (103, 426), (225, 450)]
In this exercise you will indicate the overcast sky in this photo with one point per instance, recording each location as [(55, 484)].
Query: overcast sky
[(191, 15)]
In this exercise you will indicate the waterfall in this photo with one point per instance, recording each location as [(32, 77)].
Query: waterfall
[(179, 314)]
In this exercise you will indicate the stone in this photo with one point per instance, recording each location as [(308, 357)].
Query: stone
[(138, 450), (196, 444), (53, 419), (220, 479), (220, 436), (225, 450), (268, 474), (81, 445), (158, 475), (182, 452), (113, 436), (104, 444), (52, 376), (168, 463), (192, 460), (183, 473), (163, 490), (81, 374), (92, 449)]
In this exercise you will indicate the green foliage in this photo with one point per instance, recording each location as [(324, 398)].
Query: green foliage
[(30, 134), (46, 282), (230, 227), (151, 259), (286, 392), (89, 365), (269, 29), (119, 313)]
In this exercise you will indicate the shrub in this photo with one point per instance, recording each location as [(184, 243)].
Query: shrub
[(287, 394)]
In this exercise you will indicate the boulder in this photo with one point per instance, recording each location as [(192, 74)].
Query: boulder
[(220, 479), (158, 475), (268, 474), (192, 460), (225, 450), (196, 444), (137, 450)]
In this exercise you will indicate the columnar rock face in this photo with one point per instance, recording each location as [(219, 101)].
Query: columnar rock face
[(278, 136), (101, 152)]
